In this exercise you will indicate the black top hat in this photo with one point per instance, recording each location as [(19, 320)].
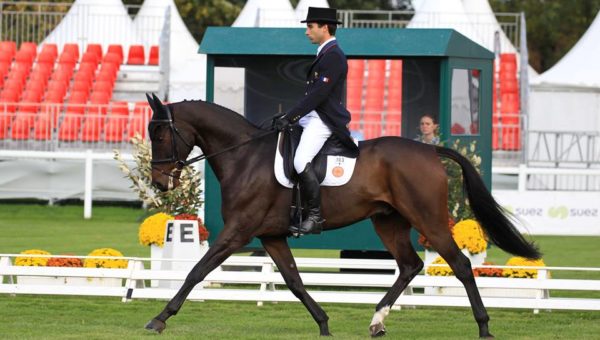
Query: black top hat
[(322, 15)]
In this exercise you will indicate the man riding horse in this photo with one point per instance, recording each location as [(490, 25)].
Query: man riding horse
[(320, 112)]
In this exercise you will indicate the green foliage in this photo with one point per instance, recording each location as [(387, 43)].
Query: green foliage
[(184, 199), (553, 27), (458, 203)]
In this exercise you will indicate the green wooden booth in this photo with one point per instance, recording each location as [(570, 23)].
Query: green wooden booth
[(443, 73)]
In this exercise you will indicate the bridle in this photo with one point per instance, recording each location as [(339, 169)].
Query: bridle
[(179, 164)]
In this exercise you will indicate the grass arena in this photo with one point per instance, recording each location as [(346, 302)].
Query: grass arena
[(61, 229), (166, 160)]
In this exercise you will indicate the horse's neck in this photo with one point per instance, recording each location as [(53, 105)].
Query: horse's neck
[(217, 129)]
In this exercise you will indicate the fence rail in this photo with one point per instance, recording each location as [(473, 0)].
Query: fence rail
[(497, 292)]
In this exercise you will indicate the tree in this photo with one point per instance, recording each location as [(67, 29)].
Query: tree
[(553, 26)]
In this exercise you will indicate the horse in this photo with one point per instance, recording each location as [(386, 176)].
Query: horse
[(398, 183)]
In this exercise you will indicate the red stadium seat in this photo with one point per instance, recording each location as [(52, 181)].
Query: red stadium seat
[(50, 49), (59, 86), (44, 68), (21, 126), (154, 55), (6, 56), (69, 128), (72, 49), (136, 55), (90, 57), (30, 47), (116, 49), (88, 68), (105, 75), (96, 49), (46, 58), (24, 56), (10, 46), (80, 86), (92, 127), (84, 77), (53, 96), (14, 84), (103, 86), (79, 97), (112, 58), (119, 108), (100, 98), (67, 58), (42, 128)]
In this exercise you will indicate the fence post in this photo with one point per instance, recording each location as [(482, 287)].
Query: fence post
[(522, 187), (87, 193), (267, 268)]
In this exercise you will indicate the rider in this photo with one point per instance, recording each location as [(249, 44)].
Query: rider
[(320, 112)]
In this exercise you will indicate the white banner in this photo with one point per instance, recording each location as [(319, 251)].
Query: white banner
[(553, 212)]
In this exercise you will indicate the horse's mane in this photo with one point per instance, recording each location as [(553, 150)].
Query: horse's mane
[(222, 109)]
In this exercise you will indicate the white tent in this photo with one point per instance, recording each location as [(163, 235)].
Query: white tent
[(267, 13), (187, 68), (580, 66), (303, 5), (444, 14), (95, 21), (483, 19), (567, 96)]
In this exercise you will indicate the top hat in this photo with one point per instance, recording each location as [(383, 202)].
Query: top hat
[(322, 15)]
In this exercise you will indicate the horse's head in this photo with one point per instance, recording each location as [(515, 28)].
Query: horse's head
[(171, 144)]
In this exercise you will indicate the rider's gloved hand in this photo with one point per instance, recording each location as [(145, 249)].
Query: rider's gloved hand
[(281, 123)]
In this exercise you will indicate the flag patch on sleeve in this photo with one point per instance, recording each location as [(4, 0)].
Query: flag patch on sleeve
[(325, 79)]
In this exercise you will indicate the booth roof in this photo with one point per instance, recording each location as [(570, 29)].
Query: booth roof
[(356, 43)]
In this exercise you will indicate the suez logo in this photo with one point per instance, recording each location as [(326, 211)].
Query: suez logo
[(186, 232), (558, 212)]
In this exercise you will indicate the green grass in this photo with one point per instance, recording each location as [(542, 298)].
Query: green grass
[(62, 229), (27, 317)]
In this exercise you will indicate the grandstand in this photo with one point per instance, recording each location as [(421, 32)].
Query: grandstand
[(59, 99)]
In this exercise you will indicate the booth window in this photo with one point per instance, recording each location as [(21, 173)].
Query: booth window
[(465, 102)]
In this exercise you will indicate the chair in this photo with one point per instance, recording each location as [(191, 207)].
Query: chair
[(120, 108), (42, 127), (80, 86), (116, 49), (92, 127), (99, 101), (90, 57), (85, 77), (30, 47), (105, 75), (50, 49), (115, 128), (67, 58), (10, 46), (57, 86), (6, 56), (21, 126), (72, 49), (36, 83), (136, 55), (138, 121), (24, 56), (96, 49), (154, 55), (46, 58), (103, 86), (112, 58), (69, 128), (14, 84), (79, 97)]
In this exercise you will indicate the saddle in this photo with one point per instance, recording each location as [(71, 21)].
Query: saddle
[(288, 143)]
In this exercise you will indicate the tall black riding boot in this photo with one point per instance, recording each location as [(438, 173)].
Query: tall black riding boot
[(311, 194)]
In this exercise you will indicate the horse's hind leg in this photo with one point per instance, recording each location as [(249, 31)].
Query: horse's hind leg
[(442, 241), (394, 232), (280, 252)]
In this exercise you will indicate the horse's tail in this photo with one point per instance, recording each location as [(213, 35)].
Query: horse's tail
[(493, 218)]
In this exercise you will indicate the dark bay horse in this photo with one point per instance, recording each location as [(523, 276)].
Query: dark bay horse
[(397, 182)]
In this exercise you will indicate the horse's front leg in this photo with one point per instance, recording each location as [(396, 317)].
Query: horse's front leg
[(225, 245), (280, 252)]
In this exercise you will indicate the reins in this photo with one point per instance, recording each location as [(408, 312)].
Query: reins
[(179, 164)]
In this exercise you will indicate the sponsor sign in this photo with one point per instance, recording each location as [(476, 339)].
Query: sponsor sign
[(553, 212)]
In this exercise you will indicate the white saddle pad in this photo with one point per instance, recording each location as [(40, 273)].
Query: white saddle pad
[(339, 169)]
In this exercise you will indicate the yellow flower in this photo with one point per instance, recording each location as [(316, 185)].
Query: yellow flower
[(468, 235), (32, 261), (105, 263), (152, 230), (522, 272), (440, 271)]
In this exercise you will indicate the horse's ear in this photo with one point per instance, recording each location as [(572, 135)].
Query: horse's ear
[(157, 107)]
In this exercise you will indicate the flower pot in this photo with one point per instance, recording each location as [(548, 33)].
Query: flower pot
[(42, 280)]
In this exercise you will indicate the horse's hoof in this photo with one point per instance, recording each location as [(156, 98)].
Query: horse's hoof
[(488, 336), (156, 326), (377, 330)]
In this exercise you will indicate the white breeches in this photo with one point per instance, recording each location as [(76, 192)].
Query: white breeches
[(313, 137)]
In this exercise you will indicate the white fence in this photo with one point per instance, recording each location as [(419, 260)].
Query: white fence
[(261, 276)]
